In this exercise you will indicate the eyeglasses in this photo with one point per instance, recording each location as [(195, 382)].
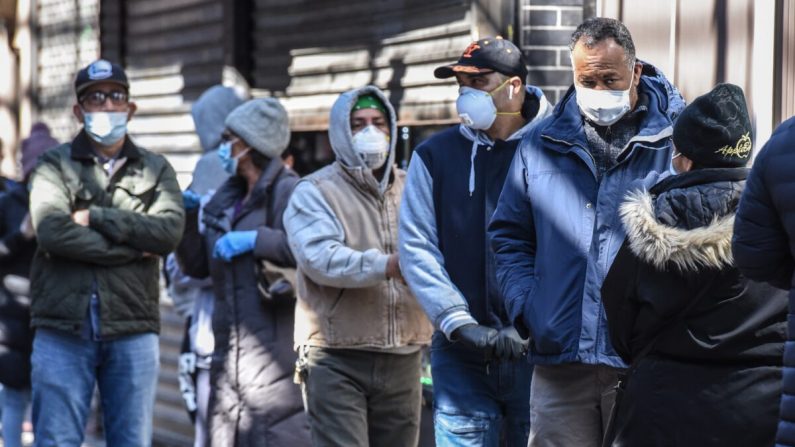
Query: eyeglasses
[(98, 98)]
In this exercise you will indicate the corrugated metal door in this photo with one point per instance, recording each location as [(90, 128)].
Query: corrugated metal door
[(311, 50), (67, 38), (173, 51), (786, 73)]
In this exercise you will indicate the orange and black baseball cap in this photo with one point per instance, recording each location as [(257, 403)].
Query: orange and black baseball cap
[(485, 55)]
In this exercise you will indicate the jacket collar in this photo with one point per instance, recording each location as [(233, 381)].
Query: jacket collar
[(364, 179), (566, 125), (659, 244), (700, 177), (235, 188), (82, 149)]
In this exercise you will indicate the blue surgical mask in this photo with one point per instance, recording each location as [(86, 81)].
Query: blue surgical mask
[(106, 128), (227, 160)]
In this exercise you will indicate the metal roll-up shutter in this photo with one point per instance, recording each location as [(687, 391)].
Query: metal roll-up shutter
[(786, 39), (310, 51), (173, 51), (67, 37)]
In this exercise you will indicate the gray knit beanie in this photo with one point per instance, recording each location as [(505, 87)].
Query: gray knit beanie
[(262, 124)]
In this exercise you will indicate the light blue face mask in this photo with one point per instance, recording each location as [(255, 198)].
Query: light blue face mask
[(106, 128), (227, 160)]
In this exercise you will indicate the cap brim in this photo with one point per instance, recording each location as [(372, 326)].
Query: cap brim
[(88, 84), (448, 71)]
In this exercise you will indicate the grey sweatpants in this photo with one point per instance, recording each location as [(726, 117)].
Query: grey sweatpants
[(570, 404)]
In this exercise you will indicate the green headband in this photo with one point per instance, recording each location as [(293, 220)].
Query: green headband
[(369, 102)]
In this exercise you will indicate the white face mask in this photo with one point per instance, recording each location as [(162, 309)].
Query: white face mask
[(372, 146), (604, 107), (106, 128), (476, 108)]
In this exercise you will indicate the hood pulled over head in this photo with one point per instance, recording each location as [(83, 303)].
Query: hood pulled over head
[(341, 136)]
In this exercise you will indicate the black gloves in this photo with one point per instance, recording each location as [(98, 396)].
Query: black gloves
[(510, 346), (477, 337), (505, 344)]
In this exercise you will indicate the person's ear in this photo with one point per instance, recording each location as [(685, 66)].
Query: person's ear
[(638, 69), (78, 113), (132, 107)]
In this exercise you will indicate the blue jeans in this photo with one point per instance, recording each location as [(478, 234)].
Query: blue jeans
[(15, 405), (478, 403), (66, 368)]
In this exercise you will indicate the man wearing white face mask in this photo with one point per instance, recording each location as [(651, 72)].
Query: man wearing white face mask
[(104, 210), (556, 229), (480, 375), (359, 330)]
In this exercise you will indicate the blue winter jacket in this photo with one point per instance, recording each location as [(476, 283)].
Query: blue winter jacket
[(453, 183), (764, 244), (556, 228)]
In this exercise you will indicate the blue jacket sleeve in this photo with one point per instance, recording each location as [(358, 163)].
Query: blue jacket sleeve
[(513, 239), (759, 245), (421, 261)]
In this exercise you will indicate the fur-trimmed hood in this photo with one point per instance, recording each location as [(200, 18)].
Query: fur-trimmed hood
[(660, 244)]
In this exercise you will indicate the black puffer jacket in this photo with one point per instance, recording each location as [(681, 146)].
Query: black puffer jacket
[(16, 336), (764, 243), (253, 400), (713, 375)]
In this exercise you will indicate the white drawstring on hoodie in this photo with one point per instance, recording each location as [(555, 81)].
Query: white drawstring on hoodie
[(479, 137), (472, 167)]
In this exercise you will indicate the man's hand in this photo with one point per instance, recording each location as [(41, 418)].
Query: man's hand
[(393, 268), (81, 217), (475, 336), (510, 345)]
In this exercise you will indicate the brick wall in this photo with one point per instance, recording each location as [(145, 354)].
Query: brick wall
[(545, 27)]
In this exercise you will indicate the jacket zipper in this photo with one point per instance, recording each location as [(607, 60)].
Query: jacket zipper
[(391, 283)]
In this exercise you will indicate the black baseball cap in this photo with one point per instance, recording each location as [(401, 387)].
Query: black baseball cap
[(487, 54), (100, 71)]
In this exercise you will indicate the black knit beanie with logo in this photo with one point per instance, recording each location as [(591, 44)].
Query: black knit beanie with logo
[(714, 130)]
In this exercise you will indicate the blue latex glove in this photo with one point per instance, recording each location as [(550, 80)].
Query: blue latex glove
[(234, 243), (190, 199)]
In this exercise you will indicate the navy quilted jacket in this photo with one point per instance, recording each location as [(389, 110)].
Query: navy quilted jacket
[(764, 244)]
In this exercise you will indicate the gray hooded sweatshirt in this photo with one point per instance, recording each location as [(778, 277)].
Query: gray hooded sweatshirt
[(341, 224)]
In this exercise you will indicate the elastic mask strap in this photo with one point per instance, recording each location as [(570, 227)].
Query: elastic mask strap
[(491, 93)]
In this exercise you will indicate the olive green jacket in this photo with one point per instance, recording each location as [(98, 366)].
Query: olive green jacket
[(135, 214)]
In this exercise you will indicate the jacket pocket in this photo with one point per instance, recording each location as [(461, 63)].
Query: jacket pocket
[(359, 316), (134, 196)]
